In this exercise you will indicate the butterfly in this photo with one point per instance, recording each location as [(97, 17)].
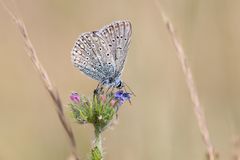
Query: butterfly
[(101, 54)]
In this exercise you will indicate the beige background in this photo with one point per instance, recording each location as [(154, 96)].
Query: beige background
[(160, 124)]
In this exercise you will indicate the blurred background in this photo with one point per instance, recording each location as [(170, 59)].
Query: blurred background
[(160, 123)]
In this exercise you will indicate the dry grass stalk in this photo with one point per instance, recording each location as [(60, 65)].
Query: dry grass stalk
[(190, 84), (236, 148), (52, 90)]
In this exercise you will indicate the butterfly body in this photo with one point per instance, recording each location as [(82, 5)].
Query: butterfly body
[(101, 54)]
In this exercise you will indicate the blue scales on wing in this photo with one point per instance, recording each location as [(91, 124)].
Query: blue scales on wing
[(118, 36), (101, 54), (89, 55)]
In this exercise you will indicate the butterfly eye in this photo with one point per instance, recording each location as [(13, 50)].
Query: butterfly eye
[(121, 36), (117, 37), (125, 39), (109, 63), (113, 40), (107, 54), (100, 48), (93, 45), (87, 58), (110, 45)]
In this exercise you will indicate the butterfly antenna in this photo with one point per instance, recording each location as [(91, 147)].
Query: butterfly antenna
[(125, 84)]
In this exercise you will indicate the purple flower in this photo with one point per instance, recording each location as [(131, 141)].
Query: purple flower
[(75, 98), (121, 96), (126, 96), (118, 94)]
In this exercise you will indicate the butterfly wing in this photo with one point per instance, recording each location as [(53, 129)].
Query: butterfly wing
[(117, 35), (91, 55)]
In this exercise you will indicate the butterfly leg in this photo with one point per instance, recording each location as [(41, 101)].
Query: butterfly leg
[(98, 90), (112, 89), (108, 89)]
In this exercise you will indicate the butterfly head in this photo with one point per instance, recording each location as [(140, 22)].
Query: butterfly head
[(119, 85), (114, 82)]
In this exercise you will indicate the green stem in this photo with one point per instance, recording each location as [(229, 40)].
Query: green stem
[(98, 139), (97, 153)]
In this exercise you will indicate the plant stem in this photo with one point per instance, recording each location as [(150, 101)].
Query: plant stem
[(52, 90), (198, 109), (97, 152), (98, 139)]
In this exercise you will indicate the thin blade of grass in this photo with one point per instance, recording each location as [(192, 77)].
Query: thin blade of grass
[(198, 109), (52, 90)]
